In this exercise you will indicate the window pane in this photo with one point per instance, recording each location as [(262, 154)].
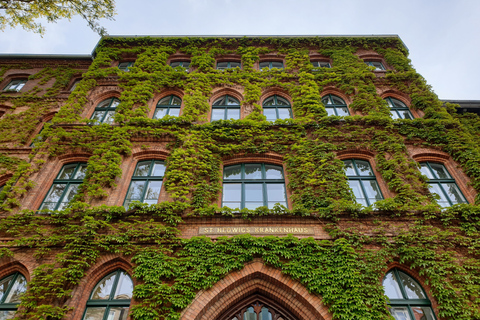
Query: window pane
[(337, 100), (235, 64), (342, 111), (136, 190), (373, 191), (271, 114), (4, 285), (98, 115), (325, 64), (4, 315), (282, 102), (250, 314), (164, 101), (284, 113), (406, 115), (394, 115), (221, 101), (453, 193), (426, 171), (399, 313), (176, 101), (327, 100), (233, 114), (66, 172), (153, 191), (103, 289), (218, 114), (175, 64), (391, 286), (186, 64), (70, 193), (443, 201), (277, 64), (270, 101), (276, 194), (423, 313), (377, 65), (398, 104), (253, 171), (55, 193), (440, 171), (232, 192), (265, 314), (349, 170), (175, 112), (232, 101), (357, 191), (412, 288), (264, 65), (232, 172), (222, 65), (82, 170), (104, 103), (114, 104), (160, 113), (158, 169), (142, 169), (330, 111), (124, 287), (273, 172), (18, 288), (117, 313), (363, 168), (254, 192), (109, 117), (95, 313)]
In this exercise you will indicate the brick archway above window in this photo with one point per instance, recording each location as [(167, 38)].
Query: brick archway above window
[(256, 279), (270, 158)]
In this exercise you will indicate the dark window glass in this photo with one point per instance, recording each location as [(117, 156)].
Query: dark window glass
[(270, 65), (320, 64), (124, 66), (362, 181), (184, 64), (228, 65), (105, 111), (377, 65), (335, 106), (276, 107), (146, 182), (398, 109), (225, 108), (169, 105)]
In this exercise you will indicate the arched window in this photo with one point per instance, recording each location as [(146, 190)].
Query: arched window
[(335, 106), (442, 184), (169, 105), (398, 109), (228, 65), (362, 181), (105, 110), (266, 65), (252, 185), (256, 311), (225, 108), (11, 289), (146, 182), (276, 107), (110, 299), (408, 301), (65, 186)]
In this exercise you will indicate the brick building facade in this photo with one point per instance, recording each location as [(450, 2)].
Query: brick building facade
[(235, 178)]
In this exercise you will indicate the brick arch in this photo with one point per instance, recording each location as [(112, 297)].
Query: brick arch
[(256, 278), (149, 154), (392, 93), (267, 93), (11, 267), (336, 92), (224, 91), (271, 158)]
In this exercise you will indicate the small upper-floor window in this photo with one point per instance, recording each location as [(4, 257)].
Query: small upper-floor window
[(124, 66), (252, 185), (228, 65), (271, 64), (105, 110), (12, 288), (276, 107), (398, 109), (376, 64), (442, 184), (362, 181), (169, 105), (15, 85), (320, 64), (65, 186), (39, 138), (407, 300), (335, 106), (111, 297), (146, 182), (183, 64), (225, 108), (75, 84)]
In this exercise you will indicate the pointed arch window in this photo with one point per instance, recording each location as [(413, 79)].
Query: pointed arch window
[(276, 107), (226, 107), (65, 186), (12, 288), (111, 297), (362, 181), (169, 105), (407, 300), (146, 182), (259, 310), (398, 109), (105, 111), (335, 106)]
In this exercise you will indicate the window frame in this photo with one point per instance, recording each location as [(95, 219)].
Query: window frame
[(370, 63), (226, 108), (168, 106), (276, 106), (110, 302), (394, 109), (11, 306), (335, 106), (270, 62), (105, 110), (440, 181), (319, 67), (362, 178), (228, 65), (263, 181), (181, 63), (129, 64), (407, 302), (14, 87)]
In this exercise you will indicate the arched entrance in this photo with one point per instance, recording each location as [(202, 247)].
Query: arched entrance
[(256, 283)]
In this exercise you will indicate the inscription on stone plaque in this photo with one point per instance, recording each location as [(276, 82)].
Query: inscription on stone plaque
[(256, 230)]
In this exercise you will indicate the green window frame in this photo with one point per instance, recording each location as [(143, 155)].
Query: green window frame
[(124, 66), (335, 106), (276, 107), (12, 287), (268, 65), (223, 65), (442, 184), (183, 64), (317, 65), (398, 109), (252, 185), (65, 186), (111, 297), (376, 64), (362, 181), (146, 183), (105, 111), (407, 299), (225, 107), (15, 85), (169, 105)]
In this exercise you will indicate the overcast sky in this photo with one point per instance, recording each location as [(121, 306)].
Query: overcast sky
[(443, 36)]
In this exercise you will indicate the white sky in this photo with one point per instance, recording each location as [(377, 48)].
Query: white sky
[(443, 36)]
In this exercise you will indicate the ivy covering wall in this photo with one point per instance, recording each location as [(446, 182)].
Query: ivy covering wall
[(442, 246)]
